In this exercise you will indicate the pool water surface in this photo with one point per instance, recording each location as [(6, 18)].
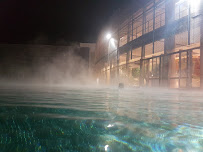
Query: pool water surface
[(100, 119)]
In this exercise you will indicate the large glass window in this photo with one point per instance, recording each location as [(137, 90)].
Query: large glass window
[(154, 66), (123, 74), (160, 15), (174, 66), (196, 68), (181, 39), (183, 70), (122, 59), (136, 53), (149, 21), (134, 73), (159, 46), (123, 33), (148, 50), (183, 66), (174, 71), (195, 30), (181, 9), (146, 72), (137, 24)]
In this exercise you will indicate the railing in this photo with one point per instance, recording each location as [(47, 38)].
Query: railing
[(136, 27), (179, 68)]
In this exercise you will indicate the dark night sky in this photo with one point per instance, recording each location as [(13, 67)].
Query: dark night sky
[(49, 21)]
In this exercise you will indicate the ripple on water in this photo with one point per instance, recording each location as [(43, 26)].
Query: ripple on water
[(100, 120)]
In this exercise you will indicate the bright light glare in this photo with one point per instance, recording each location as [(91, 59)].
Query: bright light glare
[(112, 42), (180, 2), (110, 125), (195, 4), (192, 3), (108, 36), (106, 147)]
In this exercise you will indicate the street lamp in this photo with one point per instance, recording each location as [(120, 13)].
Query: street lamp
[(111, 41), (108, 36)]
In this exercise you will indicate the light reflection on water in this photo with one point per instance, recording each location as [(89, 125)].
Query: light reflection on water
[(100, 120)]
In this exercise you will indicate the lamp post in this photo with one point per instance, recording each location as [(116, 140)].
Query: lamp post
[(112, 47), (108, 37), (111, 43)]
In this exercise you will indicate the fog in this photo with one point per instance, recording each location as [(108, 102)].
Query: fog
[(66, 69), (45, 65)]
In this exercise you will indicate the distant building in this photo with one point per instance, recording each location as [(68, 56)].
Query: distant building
[(158, 44), (45, 62), (91, 47)]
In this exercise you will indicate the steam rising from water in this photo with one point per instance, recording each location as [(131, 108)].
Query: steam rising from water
[(66, 69), (45, 66)]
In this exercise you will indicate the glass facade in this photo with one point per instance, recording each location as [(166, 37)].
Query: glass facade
[(158, 45)]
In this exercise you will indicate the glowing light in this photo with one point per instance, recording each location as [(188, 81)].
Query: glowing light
[(108, 36), (110, 125), (180, 2), (106, 147), (97, 80), (194, 5), (112, 42)]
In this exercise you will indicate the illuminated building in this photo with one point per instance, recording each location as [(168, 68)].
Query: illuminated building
[(156, 45)]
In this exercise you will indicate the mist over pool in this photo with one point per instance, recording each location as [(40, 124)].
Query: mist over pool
[(100, 119)]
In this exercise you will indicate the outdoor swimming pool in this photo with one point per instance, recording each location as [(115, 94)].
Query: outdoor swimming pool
[(100, 119)]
